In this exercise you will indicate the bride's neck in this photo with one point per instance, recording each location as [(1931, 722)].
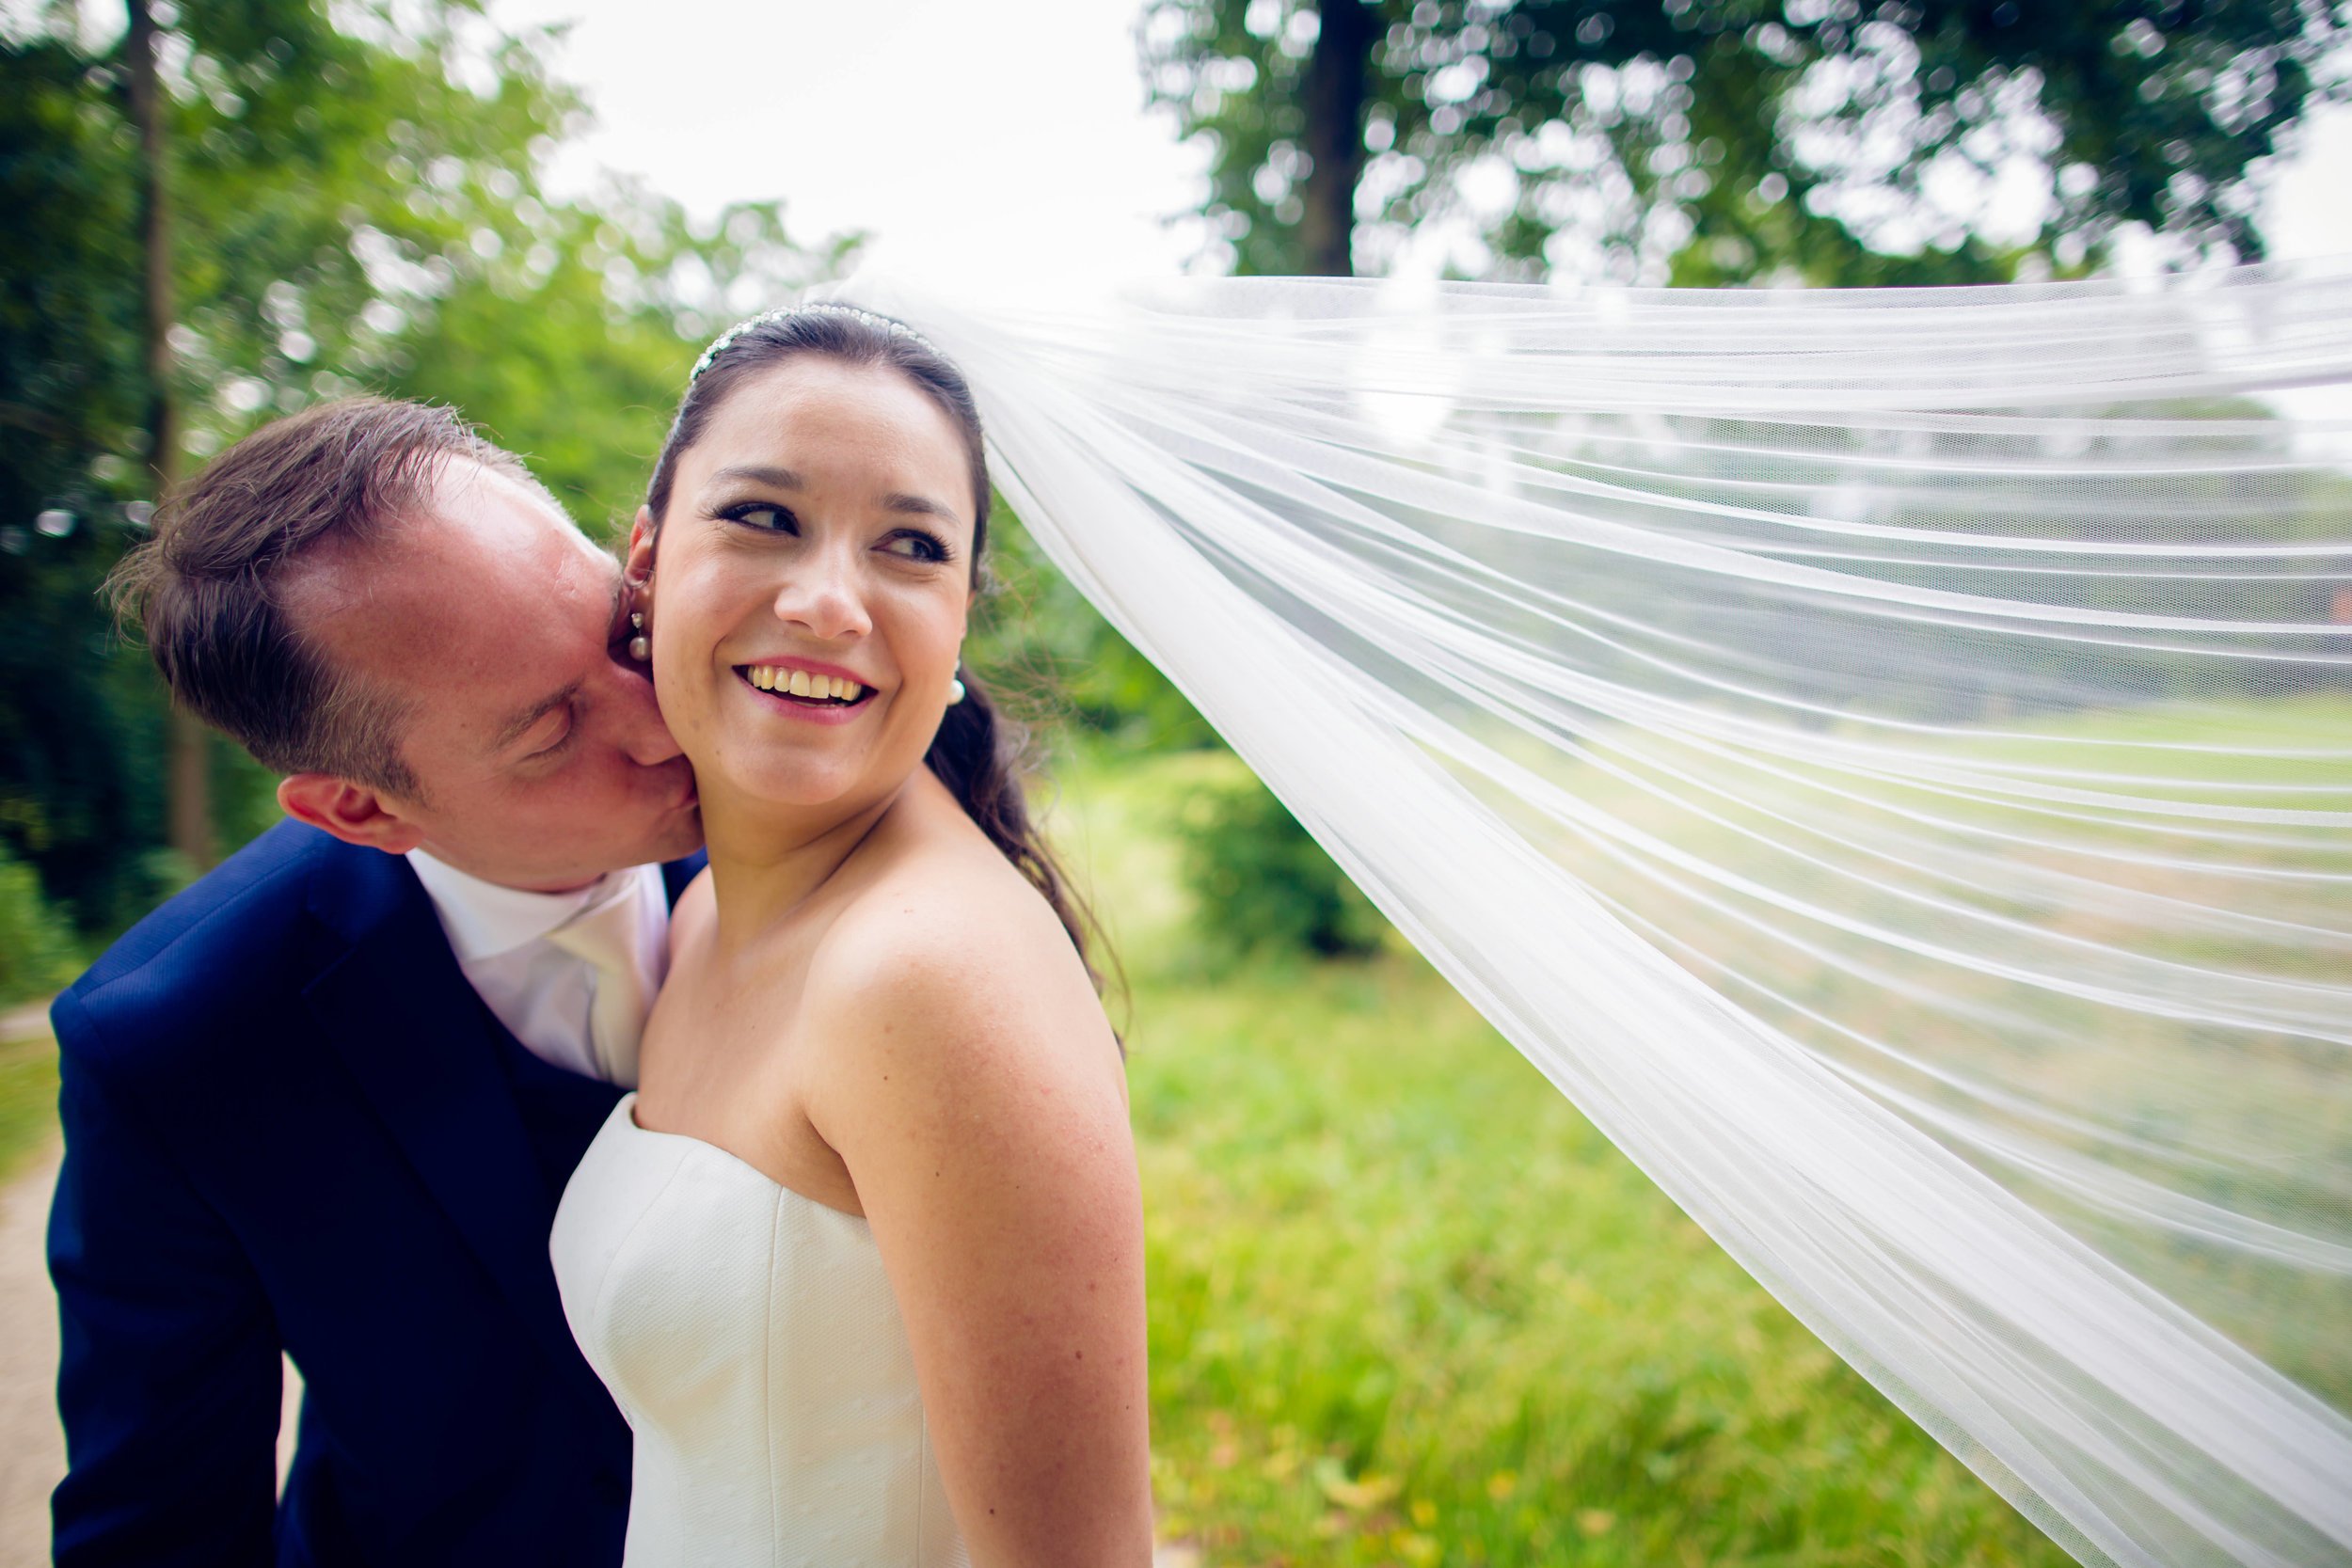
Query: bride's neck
[(768, 861)]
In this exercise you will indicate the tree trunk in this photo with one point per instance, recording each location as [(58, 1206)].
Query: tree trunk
[(189, 824), (1336, 74)]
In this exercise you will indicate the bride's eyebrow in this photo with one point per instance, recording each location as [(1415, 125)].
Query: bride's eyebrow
[(919, 506), (782, 479)]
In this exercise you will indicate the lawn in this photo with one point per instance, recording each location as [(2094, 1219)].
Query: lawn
[(28, 1099), (1409, 1308)]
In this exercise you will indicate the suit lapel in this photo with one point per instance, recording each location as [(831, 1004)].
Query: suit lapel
[(425, 1052), (677, 874)]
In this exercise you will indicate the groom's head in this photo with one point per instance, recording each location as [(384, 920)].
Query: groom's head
[(391, 611)]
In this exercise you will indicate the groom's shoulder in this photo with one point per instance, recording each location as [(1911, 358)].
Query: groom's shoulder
[(244, 936)]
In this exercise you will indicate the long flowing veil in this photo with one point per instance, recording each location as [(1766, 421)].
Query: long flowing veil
[(1886, 756)]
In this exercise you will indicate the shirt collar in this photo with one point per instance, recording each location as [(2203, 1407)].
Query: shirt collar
[(485, 919)]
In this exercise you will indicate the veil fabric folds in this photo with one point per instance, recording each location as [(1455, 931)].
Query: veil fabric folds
[(1885, 756)]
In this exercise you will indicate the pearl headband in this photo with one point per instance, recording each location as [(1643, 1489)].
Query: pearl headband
[(725, 340)]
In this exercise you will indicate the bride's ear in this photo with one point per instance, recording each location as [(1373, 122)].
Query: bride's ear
[(637, 564), (353, 813)]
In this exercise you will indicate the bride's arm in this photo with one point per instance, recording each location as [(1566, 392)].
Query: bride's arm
[(973, 1090)]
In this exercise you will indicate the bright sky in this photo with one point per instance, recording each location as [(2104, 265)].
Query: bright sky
[(992, 137), (1006, 140)]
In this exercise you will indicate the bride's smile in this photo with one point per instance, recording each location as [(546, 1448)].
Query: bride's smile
[(808, 689)]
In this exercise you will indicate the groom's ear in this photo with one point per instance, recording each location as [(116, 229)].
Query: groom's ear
[(353, 813)]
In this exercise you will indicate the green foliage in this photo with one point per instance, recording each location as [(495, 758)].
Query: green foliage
[(75, 741), (371, 217), (330, 165), (1703, 141), (570, 339), (1408, 1306), (29, 1097), (357, 206), (1035, 638), (1259, 883), (37, 955)]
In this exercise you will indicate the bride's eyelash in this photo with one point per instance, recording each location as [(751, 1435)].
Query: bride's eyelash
[(741, 513), (935, 549)]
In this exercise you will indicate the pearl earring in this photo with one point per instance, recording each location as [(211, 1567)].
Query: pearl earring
[(640, 647), (955, 692)]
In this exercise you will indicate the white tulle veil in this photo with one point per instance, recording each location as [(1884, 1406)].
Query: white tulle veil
[(1886, 756)]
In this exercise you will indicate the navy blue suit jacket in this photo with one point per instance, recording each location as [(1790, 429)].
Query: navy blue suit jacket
[(289, 1126)]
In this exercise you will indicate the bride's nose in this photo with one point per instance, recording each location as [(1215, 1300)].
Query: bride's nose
[(820, 594)]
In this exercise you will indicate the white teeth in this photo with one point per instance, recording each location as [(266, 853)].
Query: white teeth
[(800, 683)]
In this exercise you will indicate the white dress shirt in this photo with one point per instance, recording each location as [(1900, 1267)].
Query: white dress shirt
[(542, 994)]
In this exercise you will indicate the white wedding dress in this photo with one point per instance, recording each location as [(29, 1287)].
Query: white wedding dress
[(749, 1337)]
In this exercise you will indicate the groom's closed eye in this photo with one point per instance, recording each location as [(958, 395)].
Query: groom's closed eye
[(561, 743), (540, 729)]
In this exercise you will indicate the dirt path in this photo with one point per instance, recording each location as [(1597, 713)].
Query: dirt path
[(32, 1451)]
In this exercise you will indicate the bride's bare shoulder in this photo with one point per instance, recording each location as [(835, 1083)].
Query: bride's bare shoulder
[(951, 960), (958, 916)]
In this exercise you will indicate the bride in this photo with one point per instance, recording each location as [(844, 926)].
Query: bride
[(862, 1257)]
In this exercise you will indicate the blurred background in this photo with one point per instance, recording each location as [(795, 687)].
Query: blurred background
[(1367, 1347)]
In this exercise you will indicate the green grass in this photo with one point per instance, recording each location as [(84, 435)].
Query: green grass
[(1408, 1306), (28, 1099)]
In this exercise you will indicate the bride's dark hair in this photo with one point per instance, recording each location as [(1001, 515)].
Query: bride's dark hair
[(978, 753)]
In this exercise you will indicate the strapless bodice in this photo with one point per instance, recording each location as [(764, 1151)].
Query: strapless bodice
[(749, 1335)]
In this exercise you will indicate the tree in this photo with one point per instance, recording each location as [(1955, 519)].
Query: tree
[(1705, 141), (190, 794), (569, 341), (77, 737)]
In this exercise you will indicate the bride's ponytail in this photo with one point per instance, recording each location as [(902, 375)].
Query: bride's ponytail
[(980, 755)]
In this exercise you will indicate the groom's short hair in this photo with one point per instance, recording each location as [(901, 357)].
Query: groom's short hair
[(211, 588)]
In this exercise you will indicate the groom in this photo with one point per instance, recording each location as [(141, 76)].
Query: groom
[(324, 1101)]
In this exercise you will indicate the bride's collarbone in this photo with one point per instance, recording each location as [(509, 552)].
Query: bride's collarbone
[(743, 1046), (761, 1120), (725, 1060)]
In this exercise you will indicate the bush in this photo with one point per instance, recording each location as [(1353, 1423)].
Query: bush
[(1259, 883), (37, 949)]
